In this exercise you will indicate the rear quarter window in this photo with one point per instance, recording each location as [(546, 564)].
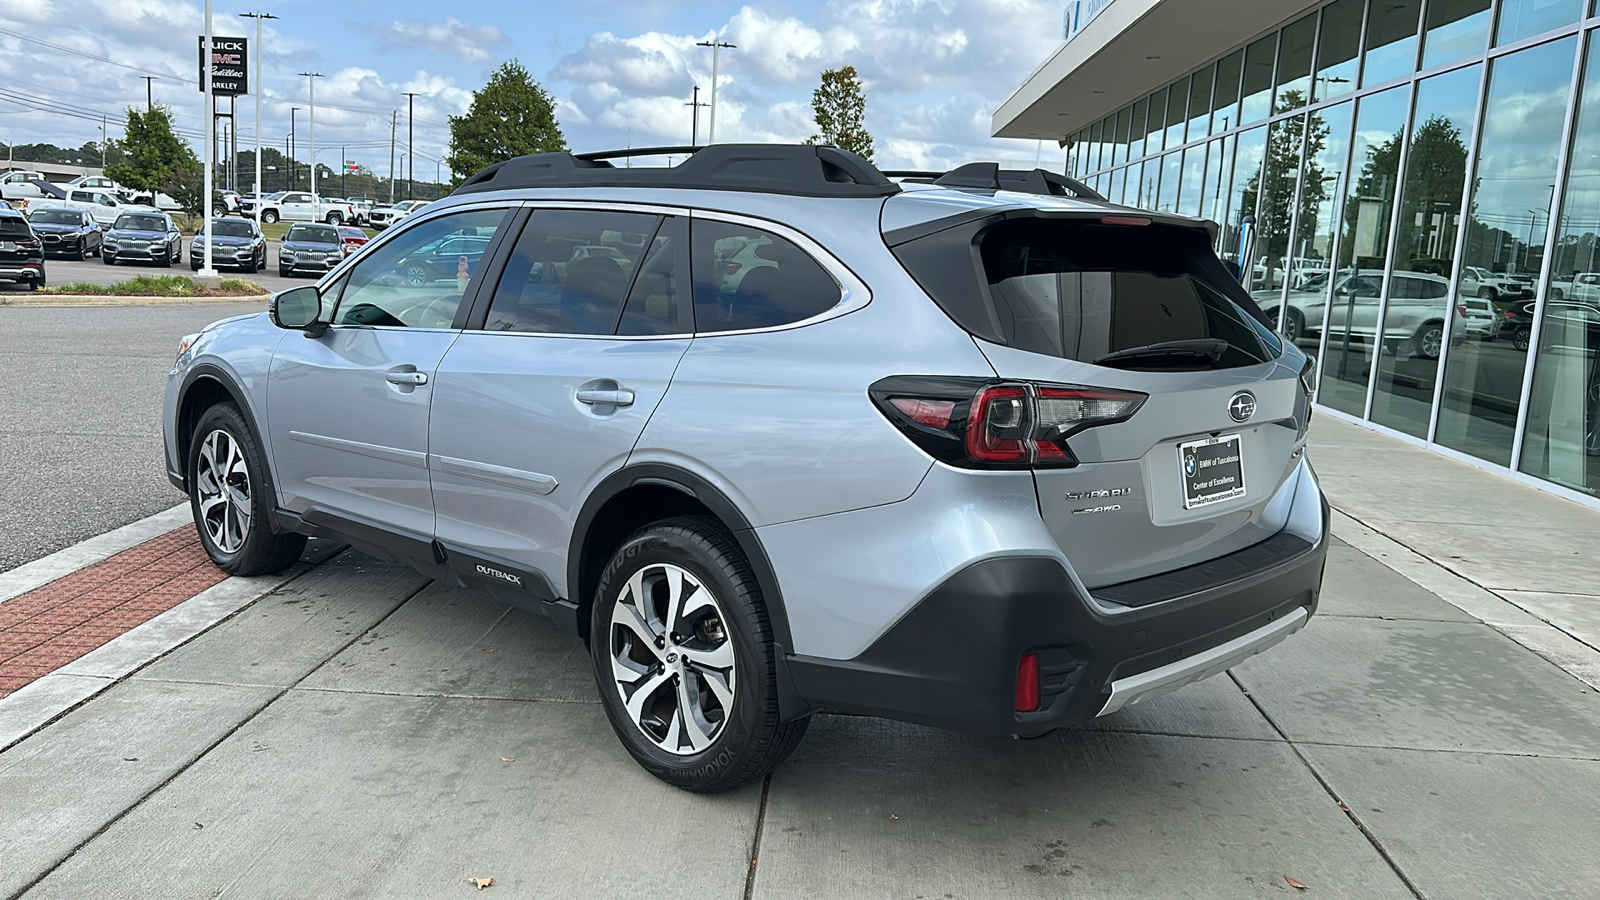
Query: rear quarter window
[(746, 277)]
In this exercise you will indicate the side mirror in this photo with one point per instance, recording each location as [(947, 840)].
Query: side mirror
[(297, 308)]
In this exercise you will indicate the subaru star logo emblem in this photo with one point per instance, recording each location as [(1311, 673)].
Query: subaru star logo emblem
[(1242, 406)]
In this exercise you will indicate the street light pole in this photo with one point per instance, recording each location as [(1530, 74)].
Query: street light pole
[(411, 149), (294, 177), (208, 270), (716, 46), (149, 96), (258, 16), (695, 104), (311, 138)]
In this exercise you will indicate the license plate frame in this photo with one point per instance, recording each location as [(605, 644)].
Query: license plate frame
[(1212, 470)]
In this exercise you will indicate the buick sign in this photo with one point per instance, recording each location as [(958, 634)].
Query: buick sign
[(230, 65)]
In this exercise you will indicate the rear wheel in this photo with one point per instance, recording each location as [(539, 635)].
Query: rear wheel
[(1294, 324), (228, 497), (683, 656), (1428, 339), (335, 219), (1522, 339), (269, 216), (1486, 293), (416, 276)]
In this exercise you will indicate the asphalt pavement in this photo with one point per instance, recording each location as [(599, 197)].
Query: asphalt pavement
[(93, 271), (80, 417)]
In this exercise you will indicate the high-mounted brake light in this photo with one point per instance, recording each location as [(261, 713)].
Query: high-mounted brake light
[(1124, 220), (986, 424)]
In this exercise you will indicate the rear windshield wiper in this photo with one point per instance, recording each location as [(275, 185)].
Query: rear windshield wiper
[(1210, 348)]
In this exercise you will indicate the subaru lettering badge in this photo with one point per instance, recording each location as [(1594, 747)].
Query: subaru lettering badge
[(1188, 464), (1242, 406)]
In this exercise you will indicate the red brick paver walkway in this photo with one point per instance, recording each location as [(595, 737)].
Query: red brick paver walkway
[(50, 626)]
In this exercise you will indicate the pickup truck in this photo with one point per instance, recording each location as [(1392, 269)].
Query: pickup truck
[(300, 206), (102, 206), (22, 186)]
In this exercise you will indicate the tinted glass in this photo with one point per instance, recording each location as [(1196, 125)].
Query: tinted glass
[(1455, 28), (1194, 174), (1171, 172), (1214, 194), (1525, 18), (232, 228), (1337, 51), (1563, 430), (1368, 203), (1275, 211), (1134, 189), (1225, 99), (745, 277), (1137, 126), (1177, 110), (1082, 291), (1118, 185), (1257, 90), (15, 226), (1294, 64), (1425, 244), (408, 282), (1119, 140), (313, 234), (1155, 125), (658, 303), (569, 272), (1321, 189), (1391, 40), (141, 223), (1243, 189), (1200, 88), (1093, 164), (1507, 221)]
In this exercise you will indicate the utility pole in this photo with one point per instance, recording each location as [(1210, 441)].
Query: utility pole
[(344, 168), (294, 177), (102, 142), (258, 15), (715, 46), (394, 117), (695, 104), (311, 138), (207, 269), (411, 148), (149, 97)]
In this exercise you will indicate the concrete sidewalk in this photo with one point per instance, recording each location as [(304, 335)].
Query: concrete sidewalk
[(361, 732)]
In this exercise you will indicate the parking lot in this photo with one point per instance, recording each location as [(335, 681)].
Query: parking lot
[(94, 271)]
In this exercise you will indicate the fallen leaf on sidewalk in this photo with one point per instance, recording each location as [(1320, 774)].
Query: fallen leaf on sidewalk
[(481, 883), (892, 817), (1294, 884), (508, 759), (485, 649)]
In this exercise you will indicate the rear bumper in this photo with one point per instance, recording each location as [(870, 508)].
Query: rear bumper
[(951, 662), (25, 272)]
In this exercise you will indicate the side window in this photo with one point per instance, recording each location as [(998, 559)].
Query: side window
[(412, 281), (745, 277), (659, 300), (569, 272)]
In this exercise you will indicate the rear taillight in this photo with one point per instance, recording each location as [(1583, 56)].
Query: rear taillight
[(986, 424), (1461, 310), (31, 243)]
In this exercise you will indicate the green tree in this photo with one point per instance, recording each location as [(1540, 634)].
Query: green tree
[(510, 116), (154, 158), (840, 109)]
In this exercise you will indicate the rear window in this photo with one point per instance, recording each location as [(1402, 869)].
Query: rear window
[(12, 226), (1140, 297)]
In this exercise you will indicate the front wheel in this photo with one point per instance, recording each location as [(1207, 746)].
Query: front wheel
[(108, 259), (1294, 324), (228, 497), (1522, 339), (1428, 340), (683, 656)]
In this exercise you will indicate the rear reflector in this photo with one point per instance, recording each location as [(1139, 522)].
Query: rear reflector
[(932, 413), (1028, 683)]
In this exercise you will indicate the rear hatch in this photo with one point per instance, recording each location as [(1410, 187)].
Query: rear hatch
[(18, 245), (1141, 309)]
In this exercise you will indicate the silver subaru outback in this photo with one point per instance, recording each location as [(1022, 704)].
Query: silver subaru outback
[(775, 434)]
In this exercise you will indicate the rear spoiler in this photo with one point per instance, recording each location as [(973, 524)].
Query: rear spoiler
[(1109, 213)]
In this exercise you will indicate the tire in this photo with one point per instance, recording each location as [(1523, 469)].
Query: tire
[(710, 748), (1428, 340), (108, 259), (282, 272), (335, 219), (194, 266), (35, 283), (83, 252), (416, 276), (228, 496), (1294, 324), (250, 267), (1522, 339), (1486, 293), (269, 216), (1557, 294)]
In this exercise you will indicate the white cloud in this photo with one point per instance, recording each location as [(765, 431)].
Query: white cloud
[(471, 43)]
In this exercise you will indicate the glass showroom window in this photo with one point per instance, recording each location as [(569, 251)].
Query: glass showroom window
[(1225, 100), (1391, 47), (1119, 140), (1194, 178), (1337, 54), (1257, 90), (1200, 88), (1321, 190), (1243, 188), (1525, 18), (1171, 171), (1294, 64), (1219, 165), (1505, 247), (1156, 123), (1562, 444), (1363, 247), (1115, 188), (1455, 28), (1272, 268), (1137, 128), (1418, 291), (1177, 110)]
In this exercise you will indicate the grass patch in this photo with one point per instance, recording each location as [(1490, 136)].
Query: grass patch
[(162, 286)]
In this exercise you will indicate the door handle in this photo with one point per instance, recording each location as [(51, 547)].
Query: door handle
[(408, 378), (620, 397)]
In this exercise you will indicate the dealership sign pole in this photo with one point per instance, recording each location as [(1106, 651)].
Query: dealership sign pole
[(224, 70), (207, 57), (258, 15)]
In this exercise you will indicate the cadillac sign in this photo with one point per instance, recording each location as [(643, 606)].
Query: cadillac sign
[(229, 65)]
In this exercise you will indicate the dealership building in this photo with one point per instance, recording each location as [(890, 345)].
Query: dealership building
[(1410, 187)]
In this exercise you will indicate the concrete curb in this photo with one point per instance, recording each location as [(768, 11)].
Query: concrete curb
[(40, 572), (36, 299)]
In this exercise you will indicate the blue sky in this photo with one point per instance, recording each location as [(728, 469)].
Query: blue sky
[(622, 72)]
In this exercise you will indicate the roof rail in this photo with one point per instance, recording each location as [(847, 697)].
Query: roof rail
[(797, 169), (988, 176)]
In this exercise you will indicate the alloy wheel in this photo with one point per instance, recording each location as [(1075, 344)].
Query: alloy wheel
[(223, 482), (1431, 340), (672, 658)]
